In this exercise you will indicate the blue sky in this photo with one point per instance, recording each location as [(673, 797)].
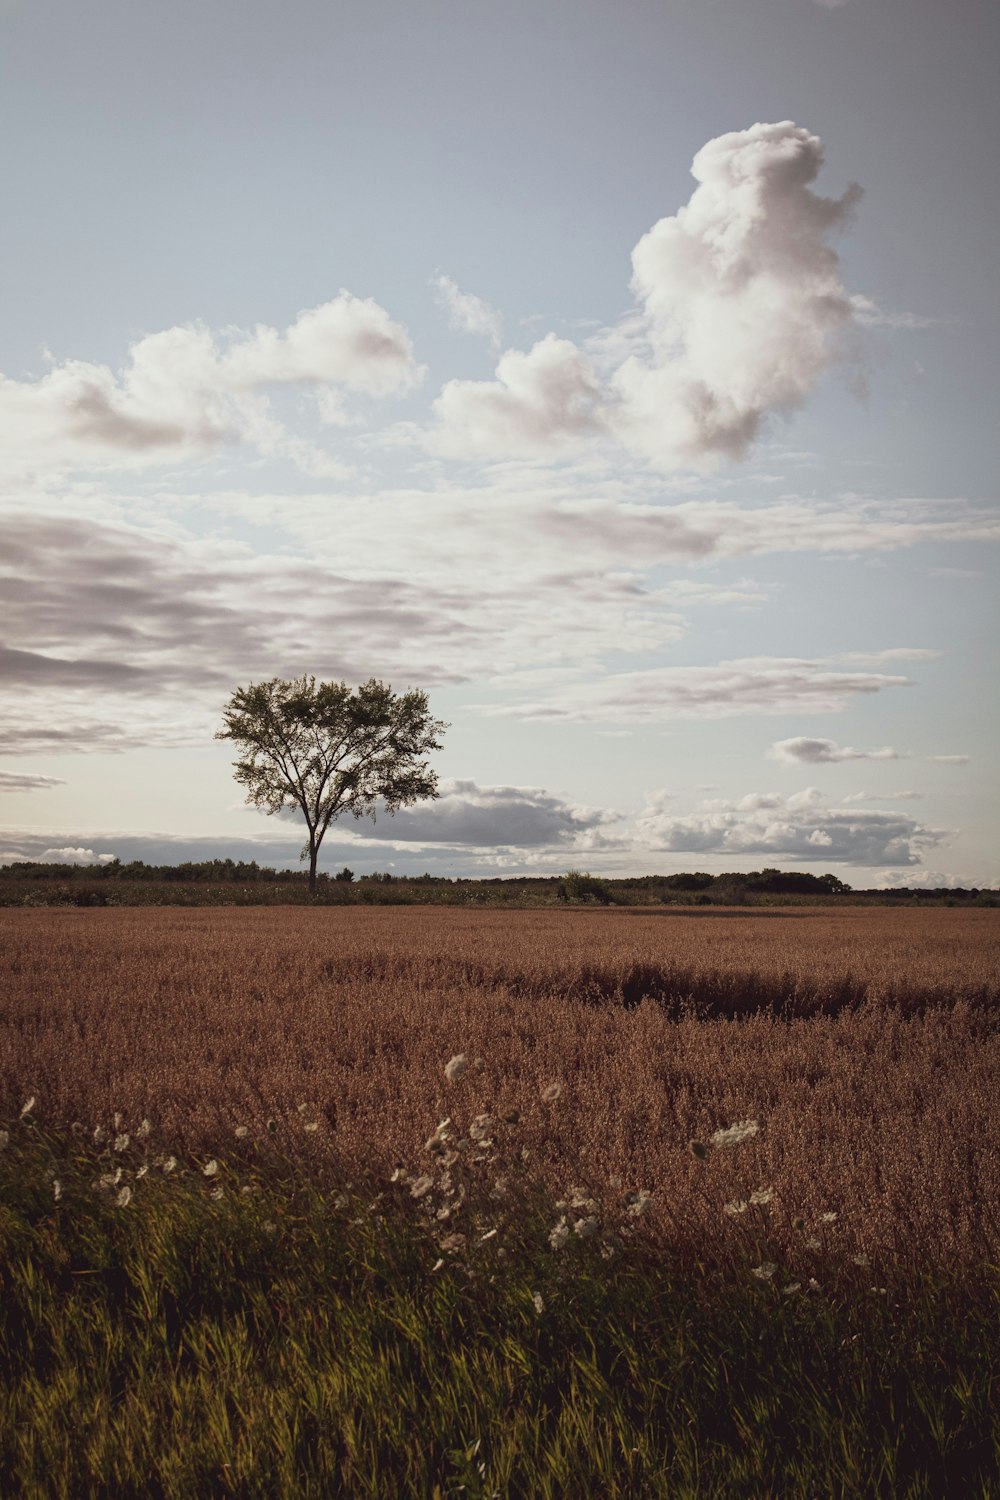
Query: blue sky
[(624, 375)]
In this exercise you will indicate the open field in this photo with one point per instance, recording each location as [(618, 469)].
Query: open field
[(805, 1305), (865, 1046)]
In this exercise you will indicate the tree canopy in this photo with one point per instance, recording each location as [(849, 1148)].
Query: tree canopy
[(327, 749)]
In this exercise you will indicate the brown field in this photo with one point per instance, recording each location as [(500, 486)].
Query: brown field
[(865, 1043)]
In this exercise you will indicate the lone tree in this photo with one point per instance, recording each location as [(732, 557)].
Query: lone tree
[(325, 749)]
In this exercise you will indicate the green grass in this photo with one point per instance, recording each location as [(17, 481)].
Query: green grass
[(295, 1341)]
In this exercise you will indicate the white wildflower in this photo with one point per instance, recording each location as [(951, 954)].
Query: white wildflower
[(421, 1186), (241, 1131), (813, 1284), (121, 1142), (170, 1164), (539, 1302), (217, 1192), (455, 1067), (100, 1135), (861, 1260), (551, 1092), (124, 1197), (489, 1235), (615, 1180), (732, 1135), (143, 1170), (762, 1195), (28, 1106), (828, 1218), (437, 1266), (211, 1168), (437, 1140), (737, 1206), (56, 1189), (110, 1179), (117, 1120), (340, 1201), (559, 1235), (791, 1288), (143, 1129), (312, 1125), (302, 1108), (812, 1243), (585, 1228), (399, 1175), (637, 1203), (764, 1271), (452, 1242)]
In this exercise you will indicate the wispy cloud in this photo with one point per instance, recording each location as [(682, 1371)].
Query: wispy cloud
[(764, 685), (801, 751), (870, 315), (466, 312), (27, 781)]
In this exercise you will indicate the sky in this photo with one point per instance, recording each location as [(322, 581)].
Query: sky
[(622, 374)]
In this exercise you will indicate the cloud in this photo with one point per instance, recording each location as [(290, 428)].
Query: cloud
[(466, 312), (71, 856), (904, 795), (185, 391), (800, 827), (27, 781), (870, 315), (741, 311), (926, 880), (742, 295), (541, 401), (951, 760), (823, 752), (469, 815), (763, 685)]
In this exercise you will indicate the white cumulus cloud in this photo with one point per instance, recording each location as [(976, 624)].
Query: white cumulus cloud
[(743, 297), (539, 402), (185, 391), (741, 311), (73, 856), (799, 827)]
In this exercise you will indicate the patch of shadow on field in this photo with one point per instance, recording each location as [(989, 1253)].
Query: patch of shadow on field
[(783, 913), (682, 993)]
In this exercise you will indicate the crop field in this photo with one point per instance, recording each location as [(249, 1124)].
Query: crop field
[(865, 1046), (786, 1119)]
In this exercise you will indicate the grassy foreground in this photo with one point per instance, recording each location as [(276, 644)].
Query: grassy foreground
[(207, 1327)]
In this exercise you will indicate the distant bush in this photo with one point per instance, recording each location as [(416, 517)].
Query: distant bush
[(580, 886)]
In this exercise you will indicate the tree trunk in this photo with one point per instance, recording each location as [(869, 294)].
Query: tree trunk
[(313, 856)]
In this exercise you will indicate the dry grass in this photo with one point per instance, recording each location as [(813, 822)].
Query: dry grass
[(864, 1044)]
